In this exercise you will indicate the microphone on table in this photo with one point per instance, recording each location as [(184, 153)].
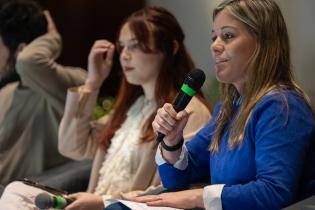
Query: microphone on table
[(46, 201), (192, 83)]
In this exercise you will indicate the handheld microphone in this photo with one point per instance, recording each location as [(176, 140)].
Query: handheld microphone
[(46, 201), (192, 83)]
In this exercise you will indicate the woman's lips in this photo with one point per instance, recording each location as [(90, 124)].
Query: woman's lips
[(128, 68), (220, 64), (218, 61)]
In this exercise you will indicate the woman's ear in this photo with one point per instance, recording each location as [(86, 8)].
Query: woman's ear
[(175, 47)]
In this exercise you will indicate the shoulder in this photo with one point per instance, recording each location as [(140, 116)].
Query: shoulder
[(283, 109), (284, 101), (199, 107)]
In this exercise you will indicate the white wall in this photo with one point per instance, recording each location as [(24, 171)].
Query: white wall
[(195, 18), (300, 19)]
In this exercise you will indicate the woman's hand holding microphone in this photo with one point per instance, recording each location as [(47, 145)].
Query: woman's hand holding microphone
[(167, 121)]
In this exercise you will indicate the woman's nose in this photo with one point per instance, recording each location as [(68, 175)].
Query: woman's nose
[(217, 47), (125, 54)]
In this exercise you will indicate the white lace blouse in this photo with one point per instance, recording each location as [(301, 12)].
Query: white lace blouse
[(122, 158)]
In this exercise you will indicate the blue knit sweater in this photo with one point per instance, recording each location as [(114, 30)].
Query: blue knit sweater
[(265, 171)]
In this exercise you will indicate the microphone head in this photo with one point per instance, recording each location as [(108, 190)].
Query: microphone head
[(44, 201), (195, 79)]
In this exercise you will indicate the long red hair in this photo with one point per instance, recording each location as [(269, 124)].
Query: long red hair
[(158, 24)]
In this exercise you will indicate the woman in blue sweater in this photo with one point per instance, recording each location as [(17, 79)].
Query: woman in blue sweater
[(254, 148)]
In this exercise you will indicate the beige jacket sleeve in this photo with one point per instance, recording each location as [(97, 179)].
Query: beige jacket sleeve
[(78, 134), (199, 115), (39, 71)]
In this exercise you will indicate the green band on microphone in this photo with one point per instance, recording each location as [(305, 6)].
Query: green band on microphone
[(186, 89), (59, 203)]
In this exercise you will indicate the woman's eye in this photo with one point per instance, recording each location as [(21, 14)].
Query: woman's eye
[(213, 38), (133, 46), (227, 36), (129, 47)]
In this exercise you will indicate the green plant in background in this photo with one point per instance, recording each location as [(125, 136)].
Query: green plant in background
[(103, 106)]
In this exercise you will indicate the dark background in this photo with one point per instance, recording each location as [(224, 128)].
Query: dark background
[(81, 22)]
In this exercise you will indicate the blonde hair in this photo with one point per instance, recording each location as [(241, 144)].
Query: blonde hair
[(269, 68)]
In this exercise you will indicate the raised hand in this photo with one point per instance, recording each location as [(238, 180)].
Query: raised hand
[(51, 27), (99, 63)]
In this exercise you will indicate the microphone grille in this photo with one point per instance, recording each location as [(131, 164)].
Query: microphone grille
[(43, 201), (195, 79)]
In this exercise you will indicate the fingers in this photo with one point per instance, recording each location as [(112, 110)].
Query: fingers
[(73, 196), (50, 22), (110, 54), (170, 113), (182, 117), (151, 200), (145, 199), (73, 204), (158, 203), (165, 119), (165, 199), (100, 45), (165, 122), (99, 50)]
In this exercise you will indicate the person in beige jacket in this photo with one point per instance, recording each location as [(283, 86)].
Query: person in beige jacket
[(31, 108), (122, 144)]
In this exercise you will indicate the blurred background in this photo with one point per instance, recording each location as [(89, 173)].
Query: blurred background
[(80, 22)]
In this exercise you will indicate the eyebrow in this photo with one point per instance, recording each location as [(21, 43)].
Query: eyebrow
[(224, 27), (130, 40)]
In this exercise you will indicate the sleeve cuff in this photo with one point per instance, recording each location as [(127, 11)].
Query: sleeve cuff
[(212, 197), (180, 164), (107, 200)]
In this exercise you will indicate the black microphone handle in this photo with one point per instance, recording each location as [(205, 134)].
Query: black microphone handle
[(179, 104)]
